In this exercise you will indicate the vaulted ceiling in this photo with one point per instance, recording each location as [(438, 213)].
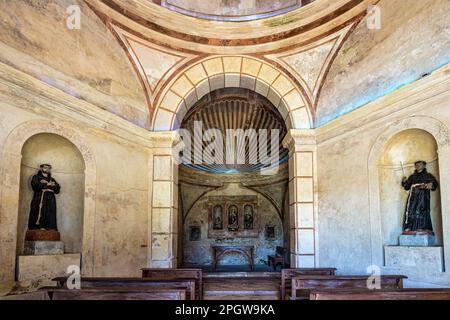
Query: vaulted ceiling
[(148, 63), (227, 111), (276, 57)]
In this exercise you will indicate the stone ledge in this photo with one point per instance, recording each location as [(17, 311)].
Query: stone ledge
[(38, 270), (43, 247), (417, 240)]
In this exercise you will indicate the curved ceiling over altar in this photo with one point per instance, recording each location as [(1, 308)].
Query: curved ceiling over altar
[(235, 109)]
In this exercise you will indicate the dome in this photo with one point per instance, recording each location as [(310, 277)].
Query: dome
[(232, 10)]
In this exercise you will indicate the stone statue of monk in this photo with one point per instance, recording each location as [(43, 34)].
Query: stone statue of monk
[(43, 204), (418, 213)]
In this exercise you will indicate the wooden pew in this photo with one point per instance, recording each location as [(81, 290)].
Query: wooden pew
[(401, 294), (134, 284), (306, 284), (288, 274), (116, 294), (173, 273), (36, 295)]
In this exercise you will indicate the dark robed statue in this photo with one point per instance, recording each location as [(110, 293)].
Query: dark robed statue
[(417, 215), (43, 205)]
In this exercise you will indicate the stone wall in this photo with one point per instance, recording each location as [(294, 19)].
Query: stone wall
[(87, 63), (413, 41)]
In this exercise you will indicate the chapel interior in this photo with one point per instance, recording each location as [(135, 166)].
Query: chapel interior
[(230, 149)]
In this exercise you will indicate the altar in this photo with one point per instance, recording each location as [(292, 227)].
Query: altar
[(247, 251)]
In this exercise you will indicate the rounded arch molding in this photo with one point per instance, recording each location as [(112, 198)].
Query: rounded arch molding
[(9, 205), (217, 72), (441, 134)]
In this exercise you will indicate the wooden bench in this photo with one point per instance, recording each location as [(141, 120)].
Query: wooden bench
[(134, 284), (173, 273), (288, 274), (305, 284), (36, 295), (278, 258), (401, 294), (116, 294)]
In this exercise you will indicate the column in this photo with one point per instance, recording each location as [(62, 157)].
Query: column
[(163, 219), (302, 197)]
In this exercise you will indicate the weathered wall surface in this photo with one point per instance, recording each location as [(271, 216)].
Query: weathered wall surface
[(414, 40), (87, 63)]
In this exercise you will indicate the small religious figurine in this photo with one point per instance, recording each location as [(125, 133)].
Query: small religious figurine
[(195, 233), (248, 217), (43, 204), (417, 215), (233, 218), (217, 218)]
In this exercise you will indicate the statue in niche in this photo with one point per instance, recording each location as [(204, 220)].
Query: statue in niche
[(217, 217), (417, 213), (195, 233), (43, 205), (248, 217), (270, 232), (233, 223)]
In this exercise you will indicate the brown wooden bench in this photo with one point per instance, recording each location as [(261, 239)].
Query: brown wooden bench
[(133, 283), (305, 284), (173, 273), (116, 294), (288, 274), (36, 295), (401, 294)]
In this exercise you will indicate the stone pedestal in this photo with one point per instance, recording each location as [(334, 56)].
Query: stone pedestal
[(42, 235), (417, 241), (430, 259), (43, 247), (38, 270)]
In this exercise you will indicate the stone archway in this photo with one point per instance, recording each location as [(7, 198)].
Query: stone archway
[(219, 72), (9, 191), (442, 136)]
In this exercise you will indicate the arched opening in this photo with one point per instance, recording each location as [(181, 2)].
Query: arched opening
[(239, 204), (397, 160), (68, 169)]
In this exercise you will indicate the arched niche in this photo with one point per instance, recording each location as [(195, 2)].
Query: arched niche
[(404, 149), (441, 135), (9, 192), (198, 251), (69, 171)]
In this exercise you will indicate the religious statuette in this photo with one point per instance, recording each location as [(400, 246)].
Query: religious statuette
[(217, 218), (233, 224), (417, 214), (248, 217), (195, 234), (43, 204)]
